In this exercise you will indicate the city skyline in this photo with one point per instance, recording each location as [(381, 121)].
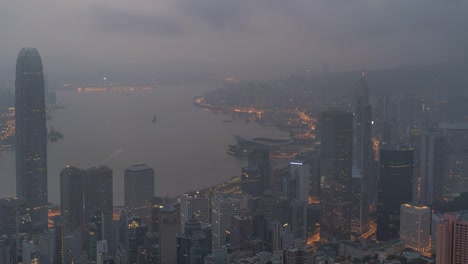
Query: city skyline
[(216, 132)]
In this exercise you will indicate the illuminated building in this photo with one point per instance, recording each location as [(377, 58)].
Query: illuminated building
[(138, 190), (196, 205), (59, 230), (194, 244), (415, 227), (223, 208), (132, 234), (336, 170), (395, 188), (455, 158), (364, 182), (31, 136), (452, 239)]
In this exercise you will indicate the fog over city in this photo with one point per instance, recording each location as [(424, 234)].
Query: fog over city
[(251, 39), (234, 131)]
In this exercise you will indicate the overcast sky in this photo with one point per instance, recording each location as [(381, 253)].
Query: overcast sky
[(232, 36)]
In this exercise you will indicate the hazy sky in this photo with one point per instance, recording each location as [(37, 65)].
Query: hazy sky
[(232, 36)]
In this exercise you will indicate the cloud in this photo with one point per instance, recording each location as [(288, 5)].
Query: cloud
[(135, 22)]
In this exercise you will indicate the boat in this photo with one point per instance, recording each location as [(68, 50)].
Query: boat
[(247, 120), (154, 119), (54, 135)]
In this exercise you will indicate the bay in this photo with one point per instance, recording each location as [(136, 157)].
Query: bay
[(186, 146)]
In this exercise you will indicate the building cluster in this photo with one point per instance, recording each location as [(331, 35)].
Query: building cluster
[(373, 189)]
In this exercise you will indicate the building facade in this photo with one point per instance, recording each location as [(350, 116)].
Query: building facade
[(336, 174), (31, 135), (452, 239), (395, 188), (415, 227)]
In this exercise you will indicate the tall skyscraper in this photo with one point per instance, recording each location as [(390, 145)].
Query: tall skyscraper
[(31, 136), (428, 188), (82, 191), (72, 189), (336, 170), (455, 158), (169, 227), (452, 239), (415, 227), (139, 186), (395, 188), (364, 184)]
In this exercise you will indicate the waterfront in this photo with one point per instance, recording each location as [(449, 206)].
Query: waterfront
[(186, 146)]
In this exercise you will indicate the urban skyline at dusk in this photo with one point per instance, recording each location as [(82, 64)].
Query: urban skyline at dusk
[(210, 132)]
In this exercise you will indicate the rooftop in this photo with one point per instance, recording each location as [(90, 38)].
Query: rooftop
[(139, 167)]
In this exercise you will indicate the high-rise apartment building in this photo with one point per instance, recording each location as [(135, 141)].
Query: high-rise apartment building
[(223, 208), (31, 136), (395, 188), (452, 239), (415, 227), (336, 173)]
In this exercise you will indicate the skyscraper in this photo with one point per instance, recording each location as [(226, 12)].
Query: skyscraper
[(365, 184), (395, 188), (193, 245), (31, 135), (223, 208), (336, 169), (259, 158), (415, 227), (169, 227), (82, 191), (194, 205), (452, 239), (455, 158), (428, 188), (139, 186)]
